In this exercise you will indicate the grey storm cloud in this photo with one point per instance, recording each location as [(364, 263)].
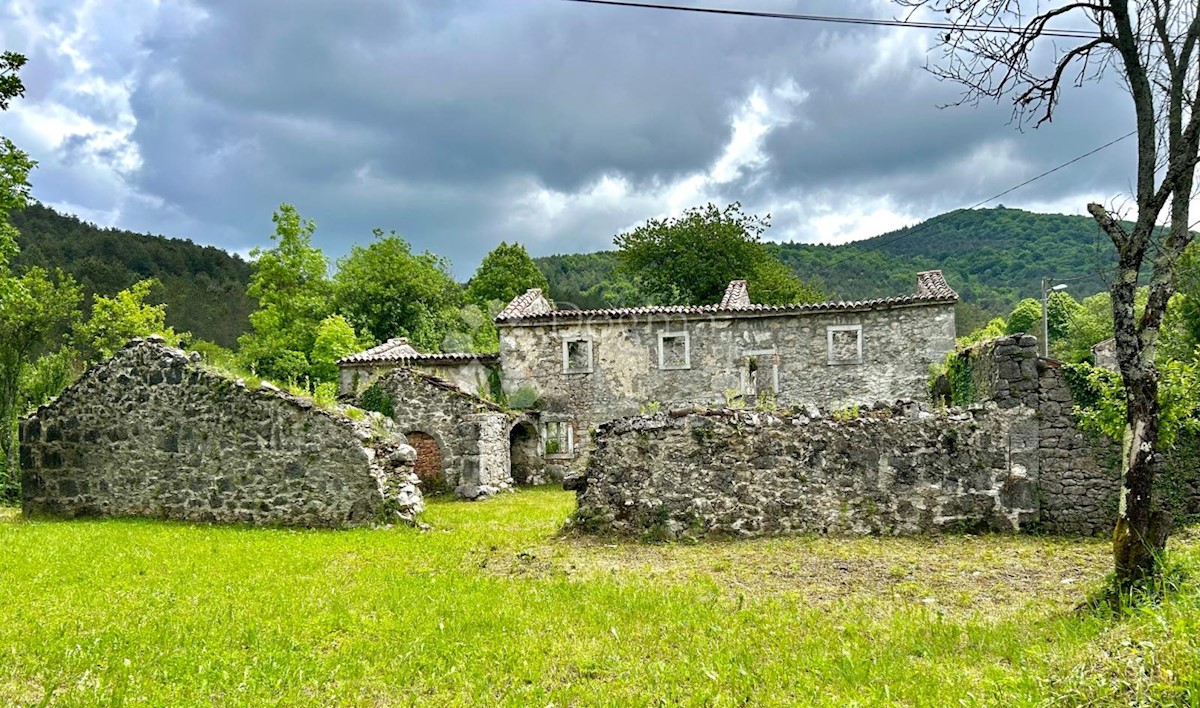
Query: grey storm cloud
[(463, 123)]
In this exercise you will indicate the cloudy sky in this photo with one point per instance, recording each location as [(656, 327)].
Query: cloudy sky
[(461, 123)]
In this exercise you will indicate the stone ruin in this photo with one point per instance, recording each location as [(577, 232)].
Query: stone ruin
[(1013, 460), (154, 433)]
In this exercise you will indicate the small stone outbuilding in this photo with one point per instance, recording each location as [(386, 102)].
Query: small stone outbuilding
[(464, 443), (152, 432), (475, 374)]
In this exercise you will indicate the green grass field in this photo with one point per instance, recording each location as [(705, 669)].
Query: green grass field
[(491, 606)]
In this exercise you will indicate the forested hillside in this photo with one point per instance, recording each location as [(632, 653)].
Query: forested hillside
[(203, 287), (992, 257)]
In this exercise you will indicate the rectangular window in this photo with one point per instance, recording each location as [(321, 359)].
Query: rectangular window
[(760, 373), (560, 439), (674, 351), (577, 356), (845, 344)]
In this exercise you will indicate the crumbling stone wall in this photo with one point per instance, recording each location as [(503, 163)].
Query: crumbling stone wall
[(153, 433), (471, 433), (1078, 484), (894, 470)]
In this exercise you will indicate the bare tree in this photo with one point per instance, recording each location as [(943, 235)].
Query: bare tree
[(1028, 51)]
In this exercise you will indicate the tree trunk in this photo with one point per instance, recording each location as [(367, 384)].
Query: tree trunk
[(1141, 533)]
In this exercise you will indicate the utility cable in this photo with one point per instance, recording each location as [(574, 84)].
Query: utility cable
[(835, 19)]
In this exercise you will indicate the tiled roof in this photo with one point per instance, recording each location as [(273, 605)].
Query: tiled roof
[(737, 294), (531, 303), (932, 283), (931, 288), (398, 350)]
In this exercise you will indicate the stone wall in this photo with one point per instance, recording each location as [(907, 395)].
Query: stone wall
[(472, 434), (894, 470), (1079, 489), (153, 433), (740, 356)]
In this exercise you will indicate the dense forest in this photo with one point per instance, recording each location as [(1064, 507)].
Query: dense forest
[(204, 288), (992, 257)]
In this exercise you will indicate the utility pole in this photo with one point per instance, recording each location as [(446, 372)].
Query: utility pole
[(1046, 290)]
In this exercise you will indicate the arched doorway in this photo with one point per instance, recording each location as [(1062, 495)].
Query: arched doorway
[(429, 461), (525, 453)]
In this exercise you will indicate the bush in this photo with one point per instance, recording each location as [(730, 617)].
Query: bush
[(524, 398), (376, 399)]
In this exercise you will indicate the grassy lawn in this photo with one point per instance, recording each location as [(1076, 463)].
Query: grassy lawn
[(491, 606)]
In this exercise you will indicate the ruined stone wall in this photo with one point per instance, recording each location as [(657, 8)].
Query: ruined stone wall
[(1078, 483), (152, 433), (791, 354), (471, 433), (749, 473)]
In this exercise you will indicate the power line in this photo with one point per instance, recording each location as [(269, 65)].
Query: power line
[(836, 19), (1031, 180)]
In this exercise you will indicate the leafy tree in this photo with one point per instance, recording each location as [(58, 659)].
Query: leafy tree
[(34, 306), (691, 258), (1179, 398), (1059, 308), (335, 339), (385, 290), (116, 320), (505, 273), (291, 283), (49, 375), (1025, 317), (15, 165)]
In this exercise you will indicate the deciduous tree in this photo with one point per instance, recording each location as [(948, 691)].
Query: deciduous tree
[(386, 290), (505, 273), (292, 286), (116, 320), (36, 306), (689, 259), (1008, 48)]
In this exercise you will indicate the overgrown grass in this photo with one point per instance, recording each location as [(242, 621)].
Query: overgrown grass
[(491, 606)]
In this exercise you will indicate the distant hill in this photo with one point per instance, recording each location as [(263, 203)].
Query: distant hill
[(992, 257), (204, 288)]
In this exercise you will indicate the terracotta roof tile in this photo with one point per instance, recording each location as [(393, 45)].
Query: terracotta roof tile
[(931, 288), (398, 350), (737, 295)]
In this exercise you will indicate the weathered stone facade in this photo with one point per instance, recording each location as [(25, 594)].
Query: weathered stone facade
[(605, 364), (471, 436), (474, 374), (153, 433), (894, 470)]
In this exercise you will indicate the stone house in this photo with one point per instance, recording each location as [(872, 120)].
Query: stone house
[(592, 366), (472, 373), (586, 367), (464, 443)]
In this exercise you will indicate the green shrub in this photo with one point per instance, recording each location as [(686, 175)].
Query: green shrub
[(524, 398), (377, 400)]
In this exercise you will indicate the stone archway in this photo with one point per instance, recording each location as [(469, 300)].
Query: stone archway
[(525, 454), (429, 461)]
